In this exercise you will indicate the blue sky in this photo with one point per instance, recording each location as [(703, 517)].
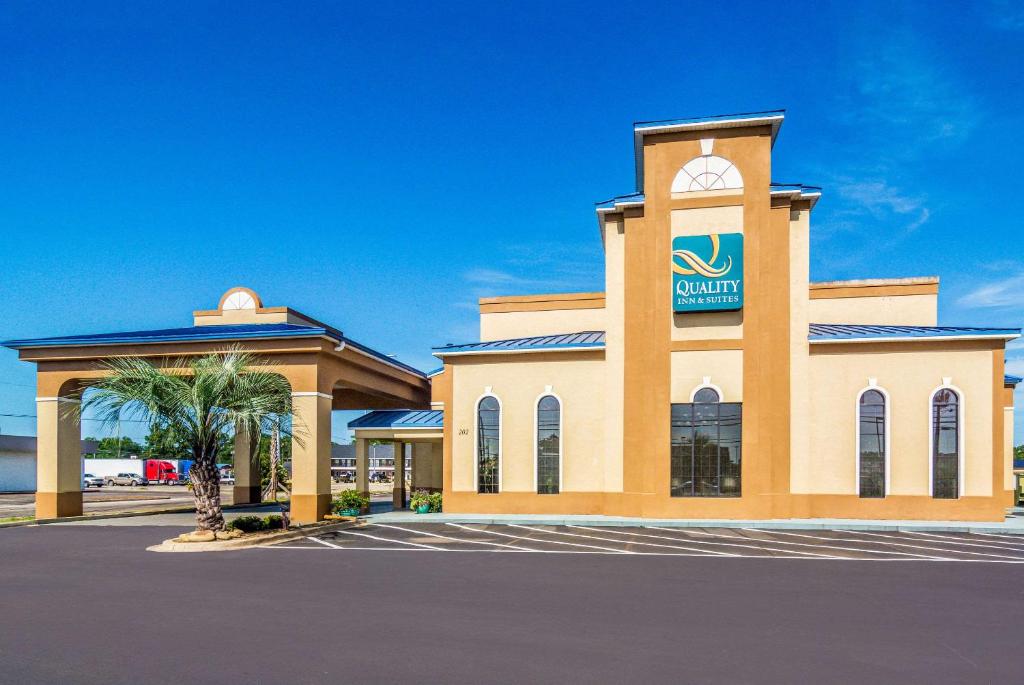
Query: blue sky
[(380, 166)]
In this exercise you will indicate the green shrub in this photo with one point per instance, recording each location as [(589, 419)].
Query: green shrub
[(351, 499), (248, 524), (419, 498), (435, 502), (273, 522)]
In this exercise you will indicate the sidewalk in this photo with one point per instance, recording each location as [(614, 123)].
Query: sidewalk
[(1013, 525)]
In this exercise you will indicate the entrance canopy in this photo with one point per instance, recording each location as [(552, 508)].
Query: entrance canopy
[(326, 369)]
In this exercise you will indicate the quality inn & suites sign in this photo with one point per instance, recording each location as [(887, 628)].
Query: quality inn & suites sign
[(707, 272)]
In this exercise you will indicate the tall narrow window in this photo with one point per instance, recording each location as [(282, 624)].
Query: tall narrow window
[(872, 443), (488, 443), (549, 445), (706, 436), (945, 444)]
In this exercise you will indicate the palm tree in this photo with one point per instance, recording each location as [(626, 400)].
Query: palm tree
[(200, 401)]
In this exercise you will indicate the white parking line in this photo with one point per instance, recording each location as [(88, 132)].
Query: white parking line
[(522, 538), (1018, 538), (400, 542), (700, 551), (988, 544), (761, 547), (852, 549), (324, 542), (934, 549), (445, 537)]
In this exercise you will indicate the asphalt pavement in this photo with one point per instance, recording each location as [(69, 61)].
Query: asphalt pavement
[(443, 604)]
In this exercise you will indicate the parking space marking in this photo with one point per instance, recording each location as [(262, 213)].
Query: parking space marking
[(324, 542), (851, 549), (400, 542), (953, 539), (700, 552), (756, 546), (1019, 539), (438, 535), (934, 549), (522, 539)]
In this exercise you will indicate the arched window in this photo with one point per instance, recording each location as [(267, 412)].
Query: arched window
[(707, 172), (549, 445), (946, 410), (706, 437), (488, 444), (871, 443)]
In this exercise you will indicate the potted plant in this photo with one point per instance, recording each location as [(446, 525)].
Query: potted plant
[(351, 503), (420, 501)]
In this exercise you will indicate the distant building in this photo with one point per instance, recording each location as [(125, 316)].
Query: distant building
[(18, 462), (382, 460)]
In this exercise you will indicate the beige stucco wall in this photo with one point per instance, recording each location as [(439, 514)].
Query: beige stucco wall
[(614, 275), (799, 363), (1009, 482), (723, 368), (902, 310), (426, 464), (707, 325), (910, 378), (518, 385), (505, 325)]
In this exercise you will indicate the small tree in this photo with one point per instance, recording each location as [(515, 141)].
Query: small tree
[(199, 402)]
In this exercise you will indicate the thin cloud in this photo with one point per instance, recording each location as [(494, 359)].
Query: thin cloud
[(1005, 293)]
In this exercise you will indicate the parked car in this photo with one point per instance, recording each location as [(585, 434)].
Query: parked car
[(91, 481), (227, 478), (132, 479)]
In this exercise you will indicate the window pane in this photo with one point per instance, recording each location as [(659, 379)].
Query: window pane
[(945, 444), (705, 395), (548, 445), (872, 444), (705, 456), (488, 418)]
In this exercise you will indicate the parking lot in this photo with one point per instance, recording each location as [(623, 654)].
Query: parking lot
[(439, 603), (693, 542)]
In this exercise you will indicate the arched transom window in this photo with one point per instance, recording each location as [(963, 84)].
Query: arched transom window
[(549, 445), (488, 444), (946, 444), (871, 443), (707, 172)]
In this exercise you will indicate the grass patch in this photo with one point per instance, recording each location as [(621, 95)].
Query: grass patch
[(12, 519)]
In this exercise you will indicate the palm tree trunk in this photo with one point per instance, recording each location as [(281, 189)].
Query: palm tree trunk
[(206, 491)]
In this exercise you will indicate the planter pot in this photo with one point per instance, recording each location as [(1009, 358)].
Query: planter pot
[(423, 509), (349, 512)]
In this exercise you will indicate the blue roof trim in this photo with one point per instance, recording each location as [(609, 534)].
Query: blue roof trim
[(388, 419), (620, 200), (538, 343), (641, 125), (255, 331), (224, 332), (794, 187), (431, 374), (824, 332), (1011, 380)]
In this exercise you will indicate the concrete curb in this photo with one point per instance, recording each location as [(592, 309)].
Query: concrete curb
[(787, 524), (124, 514), (249, 541)]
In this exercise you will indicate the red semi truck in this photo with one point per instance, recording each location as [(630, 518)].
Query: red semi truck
[(160, 471)]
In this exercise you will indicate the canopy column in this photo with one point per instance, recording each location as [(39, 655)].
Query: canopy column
[(58, 458), (248, 479), (311, 456), (398, 493), (363, 466)]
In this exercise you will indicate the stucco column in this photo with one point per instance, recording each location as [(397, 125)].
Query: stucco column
[(58, 458), (398, 493), (363, 466), (311, 456), (248, 486)]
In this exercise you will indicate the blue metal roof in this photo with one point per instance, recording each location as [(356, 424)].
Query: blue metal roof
[(1011, 380), (225, 332), (640, 125), (255, 331), (399, 419), (826, 332), (620, 200), (538, 343)]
